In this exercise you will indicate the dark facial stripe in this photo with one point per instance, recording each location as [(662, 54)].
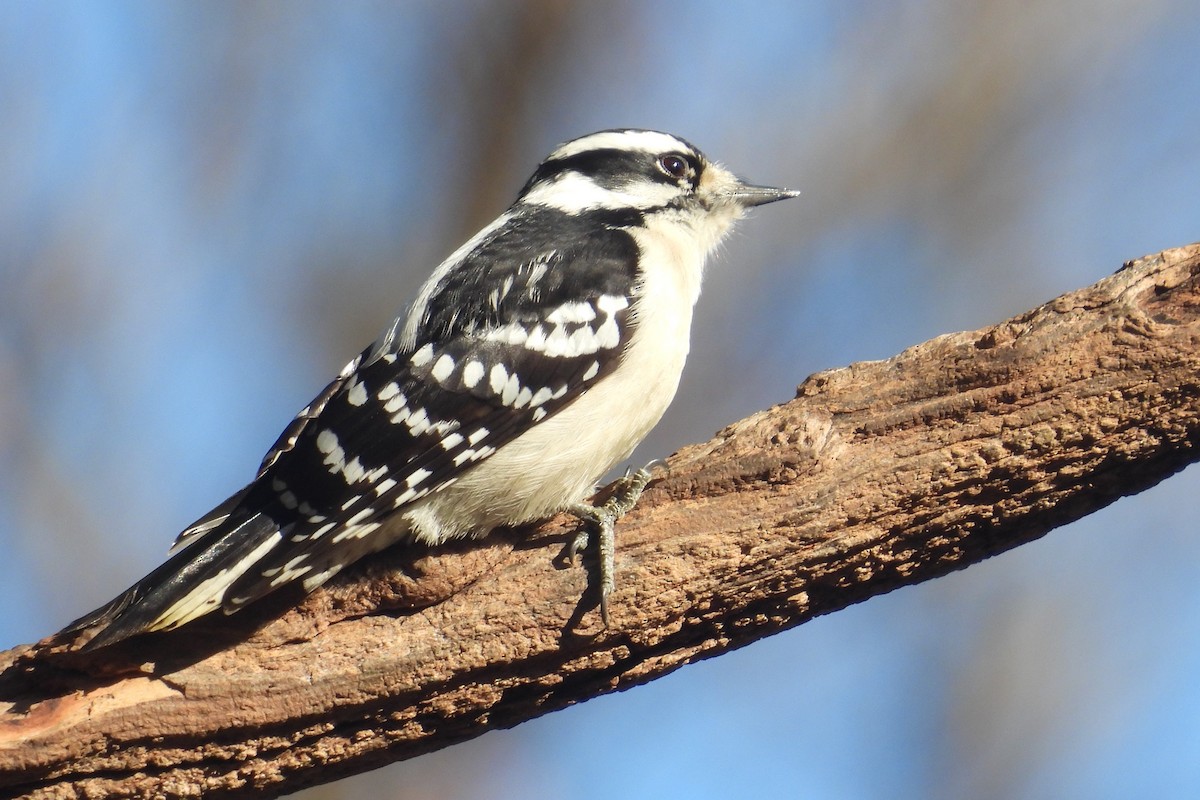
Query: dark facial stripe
[(611, 168)]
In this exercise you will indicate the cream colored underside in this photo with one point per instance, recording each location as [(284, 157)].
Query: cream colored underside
[(557, 462)]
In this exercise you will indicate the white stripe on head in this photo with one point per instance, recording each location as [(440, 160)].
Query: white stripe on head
[(574, 193), (648, 141)]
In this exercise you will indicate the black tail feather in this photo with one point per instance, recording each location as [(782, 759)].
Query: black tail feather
[(140, 607)]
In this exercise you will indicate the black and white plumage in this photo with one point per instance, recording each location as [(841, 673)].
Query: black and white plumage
[(534, 359)]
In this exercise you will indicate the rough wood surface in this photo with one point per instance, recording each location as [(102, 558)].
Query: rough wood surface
[(876, 475)]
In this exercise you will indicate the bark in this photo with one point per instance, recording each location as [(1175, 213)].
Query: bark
[(875, 476)]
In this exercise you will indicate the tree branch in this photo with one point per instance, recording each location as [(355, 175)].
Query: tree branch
[(875, 476)]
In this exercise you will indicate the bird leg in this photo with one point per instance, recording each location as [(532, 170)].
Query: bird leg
[(623, 494)]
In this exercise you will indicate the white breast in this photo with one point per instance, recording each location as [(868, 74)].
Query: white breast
[(557, 462)]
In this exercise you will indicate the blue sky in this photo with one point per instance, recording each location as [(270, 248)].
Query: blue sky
[(209, 207)]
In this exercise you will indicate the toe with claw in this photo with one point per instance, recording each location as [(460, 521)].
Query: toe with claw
[(623, 496)]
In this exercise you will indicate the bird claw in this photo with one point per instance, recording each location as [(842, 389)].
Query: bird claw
[(623, 494)]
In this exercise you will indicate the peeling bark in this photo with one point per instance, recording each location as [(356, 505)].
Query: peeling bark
[(875, 476)]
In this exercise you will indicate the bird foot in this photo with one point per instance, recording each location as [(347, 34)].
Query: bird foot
[(623, 494)]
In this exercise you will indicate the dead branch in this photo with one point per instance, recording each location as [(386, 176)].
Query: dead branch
[(875, 476)]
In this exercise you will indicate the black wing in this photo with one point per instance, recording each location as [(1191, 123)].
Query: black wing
[(502, 341), (486, 364)]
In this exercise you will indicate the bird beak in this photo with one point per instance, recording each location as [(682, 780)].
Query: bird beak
[(747, 195)]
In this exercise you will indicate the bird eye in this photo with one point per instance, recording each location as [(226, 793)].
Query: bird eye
[(674, 165)]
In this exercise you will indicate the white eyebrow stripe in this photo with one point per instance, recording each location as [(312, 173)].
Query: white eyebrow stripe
[(648, 141)]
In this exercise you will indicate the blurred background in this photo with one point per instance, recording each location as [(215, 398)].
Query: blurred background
[(207, 208)]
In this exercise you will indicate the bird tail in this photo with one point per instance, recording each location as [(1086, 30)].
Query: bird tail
[(193, 582)]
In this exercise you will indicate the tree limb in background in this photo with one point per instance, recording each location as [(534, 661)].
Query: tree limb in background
[(875, 476)]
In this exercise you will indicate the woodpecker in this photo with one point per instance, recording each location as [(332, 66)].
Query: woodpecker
[(533, 360)]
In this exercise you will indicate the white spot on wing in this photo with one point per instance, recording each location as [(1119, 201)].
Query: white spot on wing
[(511, 388), (592, 371), (478, 436), (557, 343), (326, 441), (357, 394), (612, 303), (443, 369), (513, 333), (354, 471), (497, 378), (289, 571), (472, 374), (607, 336), (572, 312), (355, 530), (583, 340), (405, 497), (422, 356), (418, 422), (536, 339), (335, 456), (313, 581)]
